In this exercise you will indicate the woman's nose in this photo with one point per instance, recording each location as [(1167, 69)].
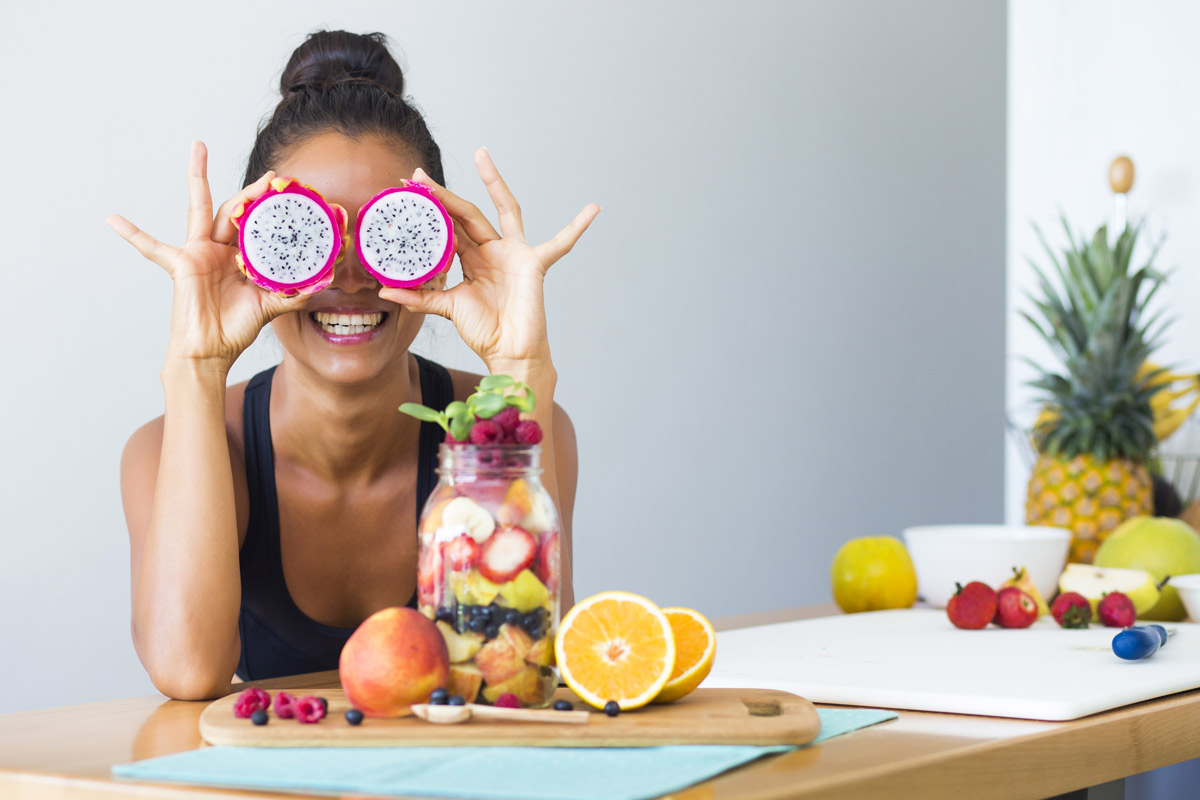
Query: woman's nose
[(348, 272)]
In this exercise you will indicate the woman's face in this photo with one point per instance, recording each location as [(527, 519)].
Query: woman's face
[(348, 172)]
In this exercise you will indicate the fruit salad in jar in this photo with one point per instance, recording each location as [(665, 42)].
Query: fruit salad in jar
[(488, 570)]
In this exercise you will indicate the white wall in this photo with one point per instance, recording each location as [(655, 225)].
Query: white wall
[(784, 331), (1089, 81)]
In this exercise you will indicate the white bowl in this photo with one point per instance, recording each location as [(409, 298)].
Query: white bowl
[(947, 554), (1189, 592)]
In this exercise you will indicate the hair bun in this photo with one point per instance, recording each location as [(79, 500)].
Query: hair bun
[(330, 57)]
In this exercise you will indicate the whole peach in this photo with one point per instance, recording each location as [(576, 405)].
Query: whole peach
[(395, 658)]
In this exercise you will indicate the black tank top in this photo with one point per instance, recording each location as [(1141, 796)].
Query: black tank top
[(277, 637)]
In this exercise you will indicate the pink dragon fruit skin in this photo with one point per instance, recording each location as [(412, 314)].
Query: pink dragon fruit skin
[(328, 216), (403, 236)]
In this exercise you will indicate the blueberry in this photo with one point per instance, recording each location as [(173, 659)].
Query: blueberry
[(492, 631), (259, 717), (457, 700), (563, 705), (536, 632), (611, 708), (512, 616), (441, 701), (324, 704), (478, 624), (444, 614), (438, 694), (354, 716)]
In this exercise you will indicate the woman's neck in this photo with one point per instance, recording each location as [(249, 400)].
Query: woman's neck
[(348, 434)]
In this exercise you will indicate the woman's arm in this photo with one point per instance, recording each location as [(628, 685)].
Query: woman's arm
[(178, 489), (177, 474)]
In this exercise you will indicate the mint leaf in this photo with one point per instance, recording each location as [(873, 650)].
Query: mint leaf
[(487, 405), (460, 426), (494, 382), (457, 409), (523, 403), (421, 412)]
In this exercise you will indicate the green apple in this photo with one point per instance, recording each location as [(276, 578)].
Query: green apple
[(1094, 582), (1160, 545)]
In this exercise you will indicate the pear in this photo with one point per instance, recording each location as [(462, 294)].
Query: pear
[(1094, 582), (1022, 581)]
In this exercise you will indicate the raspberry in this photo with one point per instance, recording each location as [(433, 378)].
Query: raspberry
[(250, 701), (528, 432), (485, 431), (309, 709), (507, 420), (285, 705), (507, 700)]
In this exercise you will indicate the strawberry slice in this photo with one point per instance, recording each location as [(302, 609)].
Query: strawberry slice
[(461, 553), (548, 564), (430, 576), (505, 553)]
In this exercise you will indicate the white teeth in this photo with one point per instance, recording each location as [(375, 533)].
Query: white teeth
[(346, 324)]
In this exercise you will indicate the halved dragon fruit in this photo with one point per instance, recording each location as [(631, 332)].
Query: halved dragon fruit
[(404, 236), (289, 238)]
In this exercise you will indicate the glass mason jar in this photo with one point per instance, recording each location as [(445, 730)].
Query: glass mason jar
[(488, 572)]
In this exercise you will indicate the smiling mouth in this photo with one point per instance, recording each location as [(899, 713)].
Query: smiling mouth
[(347, 324)]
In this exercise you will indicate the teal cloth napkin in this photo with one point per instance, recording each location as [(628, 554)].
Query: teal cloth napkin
[(492, 773)]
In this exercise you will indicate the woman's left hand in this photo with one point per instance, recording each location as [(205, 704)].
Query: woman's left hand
[(498, 307)]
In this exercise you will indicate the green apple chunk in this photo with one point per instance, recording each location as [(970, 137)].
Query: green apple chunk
[(525, 592), (460, 646)]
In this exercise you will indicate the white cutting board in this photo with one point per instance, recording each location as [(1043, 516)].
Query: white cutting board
[(915, 659)]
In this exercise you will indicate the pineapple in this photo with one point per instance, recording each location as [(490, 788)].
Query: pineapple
[(1098, 435)]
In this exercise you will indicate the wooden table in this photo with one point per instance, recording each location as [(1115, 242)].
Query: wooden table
[(68, 752)]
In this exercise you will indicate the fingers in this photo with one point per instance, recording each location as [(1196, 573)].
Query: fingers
[(277, 305), (421, 301), (506, 205), (466, 216), (147, 245), (199, 198), (564, 240), (223, 229)]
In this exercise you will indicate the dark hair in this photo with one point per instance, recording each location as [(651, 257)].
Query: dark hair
[(348, 83)]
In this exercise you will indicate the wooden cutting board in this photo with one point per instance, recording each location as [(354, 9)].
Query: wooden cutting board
[(706, 716), (915, 659)]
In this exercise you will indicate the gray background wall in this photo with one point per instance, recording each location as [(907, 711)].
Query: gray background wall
[(785, 330)]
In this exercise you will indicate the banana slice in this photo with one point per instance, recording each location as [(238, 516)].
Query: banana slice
[(463, 512)]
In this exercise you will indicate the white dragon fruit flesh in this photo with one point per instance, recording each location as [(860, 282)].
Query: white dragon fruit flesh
[(404, 236), (289, 239)]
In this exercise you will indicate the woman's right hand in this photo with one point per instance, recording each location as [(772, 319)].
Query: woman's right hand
[(216, 312)]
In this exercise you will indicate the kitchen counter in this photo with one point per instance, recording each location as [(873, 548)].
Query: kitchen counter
[(68, 752)]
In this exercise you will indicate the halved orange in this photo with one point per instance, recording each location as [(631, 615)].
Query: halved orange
[(615, 646), (695, 648)]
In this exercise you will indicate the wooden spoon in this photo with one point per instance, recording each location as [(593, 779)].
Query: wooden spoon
[(451, 715)]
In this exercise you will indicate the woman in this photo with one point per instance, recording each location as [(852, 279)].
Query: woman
[(267, 519)]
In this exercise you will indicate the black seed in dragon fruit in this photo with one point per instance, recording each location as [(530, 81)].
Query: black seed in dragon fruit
[(290, 239), (404, 236)]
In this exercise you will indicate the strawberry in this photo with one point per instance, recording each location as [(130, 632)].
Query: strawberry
[(461, 553), (548, 563), (1071, 610), (973, 606), (430, 576), (1014, 608), (505, 553), (1116, 610)]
